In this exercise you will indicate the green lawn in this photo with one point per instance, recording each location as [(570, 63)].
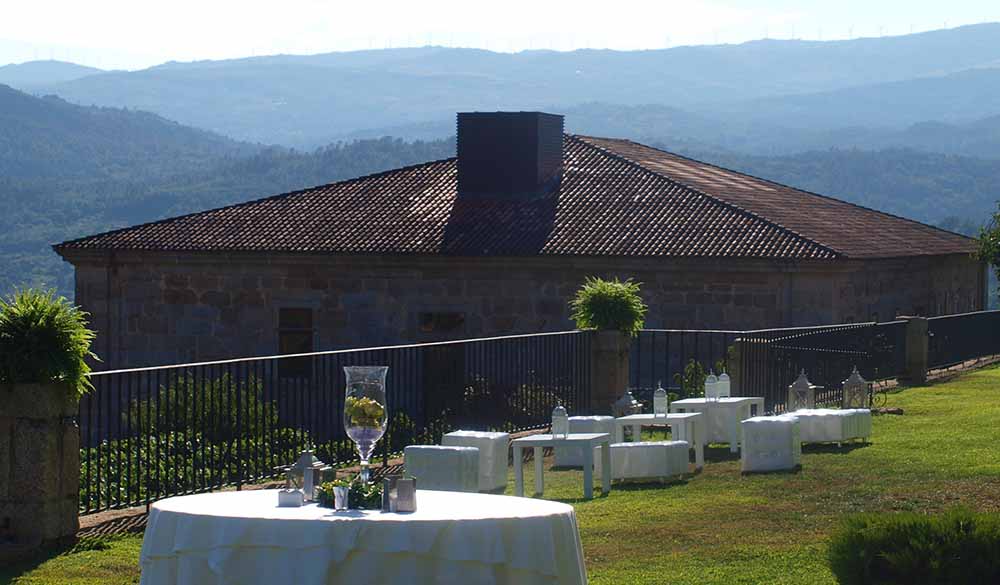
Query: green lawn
[(720, 527)]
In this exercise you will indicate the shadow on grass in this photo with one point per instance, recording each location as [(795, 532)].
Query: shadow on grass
[(628, 486), (717, 454), (31, 561), (842, 449)]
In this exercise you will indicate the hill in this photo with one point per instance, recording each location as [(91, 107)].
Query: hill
[(68, 171), (34, 74), (309, 100)]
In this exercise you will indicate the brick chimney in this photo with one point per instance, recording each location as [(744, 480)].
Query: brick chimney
[(509, 154)]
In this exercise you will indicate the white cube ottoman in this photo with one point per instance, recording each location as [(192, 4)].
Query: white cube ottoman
[(452, 469), (493, 448), (572, 456), (829, 425), (663, 459), (770, 443)]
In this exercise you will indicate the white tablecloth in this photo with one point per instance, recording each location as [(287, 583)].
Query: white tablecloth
[(244, 538)]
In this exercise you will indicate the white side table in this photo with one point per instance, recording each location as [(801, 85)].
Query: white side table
[(492, 455), (587, 441), (686, 426), (722, 416)]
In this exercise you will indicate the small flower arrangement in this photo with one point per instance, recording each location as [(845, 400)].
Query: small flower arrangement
[(362, 496), (364, 412)]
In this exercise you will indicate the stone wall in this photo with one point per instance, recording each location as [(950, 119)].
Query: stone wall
[(153, 309)]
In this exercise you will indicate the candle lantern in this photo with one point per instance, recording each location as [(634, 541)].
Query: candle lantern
[(302, 478), (560, 422), (626, 405), (723, 387), (801, 394), (711, 386), (660, 401), (855, 393)]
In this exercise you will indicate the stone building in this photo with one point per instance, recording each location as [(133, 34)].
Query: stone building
[(495, 241)]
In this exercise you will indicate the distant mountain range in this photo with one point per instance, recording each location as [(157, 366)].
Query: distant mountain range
[(28, 76), (948, 75)]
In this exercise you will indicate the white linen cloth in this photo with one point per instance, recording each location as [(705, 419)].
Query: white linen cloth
[(648, 459), (437, 467), (830, 425), (572, 455), (770, 443), (493, 448), (453, 538)]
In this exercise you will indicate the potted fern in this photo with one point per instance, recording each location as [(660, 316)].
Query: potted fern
[(615, 311), (44, 347)]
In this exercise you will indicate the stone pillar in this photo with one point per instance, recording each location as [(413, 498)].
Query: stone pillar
[(915, 369), (735, 368), (39, 464), (609, 369)]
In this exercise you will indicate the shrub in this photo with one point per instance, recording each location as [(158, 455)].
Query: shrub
[(609, 305), (692, 381), (954, 547), (44, 338)]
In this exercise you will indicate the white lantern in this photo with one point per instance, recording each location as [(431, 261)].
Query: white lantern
[(723, 388), (711, 386), (801, 394), (855, 391), (660, 401), (560, 422)]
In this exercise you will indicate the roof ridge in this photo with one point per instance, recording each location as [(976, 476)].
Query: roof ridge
[(799, 189), (717, 200), (285, 195)]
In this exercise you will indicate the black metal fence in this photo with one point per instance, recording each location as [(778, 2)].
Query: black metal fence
[(771, 359), (659, 356), (955, 339), (154, 432)]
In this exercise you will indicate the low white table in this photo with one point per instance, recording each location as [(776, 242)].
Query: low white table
[(587, 441), (829, 425), (452, 538), (685, 426), (771, 443), (722, 416)]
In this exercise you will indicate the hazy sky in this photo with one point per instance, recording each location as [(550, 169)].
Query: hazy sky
[(133, 34)]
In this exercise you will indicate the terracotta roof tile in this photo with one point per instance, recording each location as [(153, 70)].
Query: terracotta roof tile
[(616, 198)]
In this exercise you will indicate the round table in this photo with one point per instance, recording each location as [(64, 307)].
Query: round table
[(245, 538)]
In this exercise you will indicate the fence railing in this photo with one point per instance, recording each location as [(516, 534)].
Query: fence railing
[(955, 339), (771, 359), (149, 433), (658, 356)]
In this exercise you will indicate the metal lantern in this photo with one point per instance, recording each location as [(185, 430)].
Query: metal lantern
[(724, 386), (711, 386), (855, 391), (560, 422), (661, 402), (801, 394), (305, 475), (626, 405)]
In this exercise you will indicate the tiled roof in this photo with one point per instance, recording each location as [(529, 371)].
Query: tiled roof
[(616, 198)]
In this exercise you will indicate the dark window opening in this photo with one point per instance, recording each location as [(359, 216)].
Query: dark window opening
[(441, 322), (295, 335)]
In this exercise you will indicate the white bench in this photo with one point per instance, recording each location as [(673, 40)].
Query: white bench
[(829, 425), (770, 443), (493, 449), (649, 459), (572, 455), (436, 467)]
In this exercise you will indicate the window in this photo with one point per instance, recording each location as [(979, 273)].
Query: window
[(441, 322), (295, 335)]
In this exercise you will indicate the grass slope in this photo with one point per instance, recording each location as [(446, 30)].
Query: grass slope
[(721, 527)]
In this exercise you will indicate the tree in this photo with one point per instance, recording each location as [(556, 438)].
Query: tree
[(989, 242)]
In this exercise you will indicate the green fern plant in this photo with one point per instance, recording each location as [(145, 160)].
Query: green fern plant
[(609, 305), (44, 338)]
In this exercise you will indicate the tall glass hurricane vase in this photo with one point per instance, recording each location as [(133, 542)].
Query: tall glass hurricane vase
[(365, 409)]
